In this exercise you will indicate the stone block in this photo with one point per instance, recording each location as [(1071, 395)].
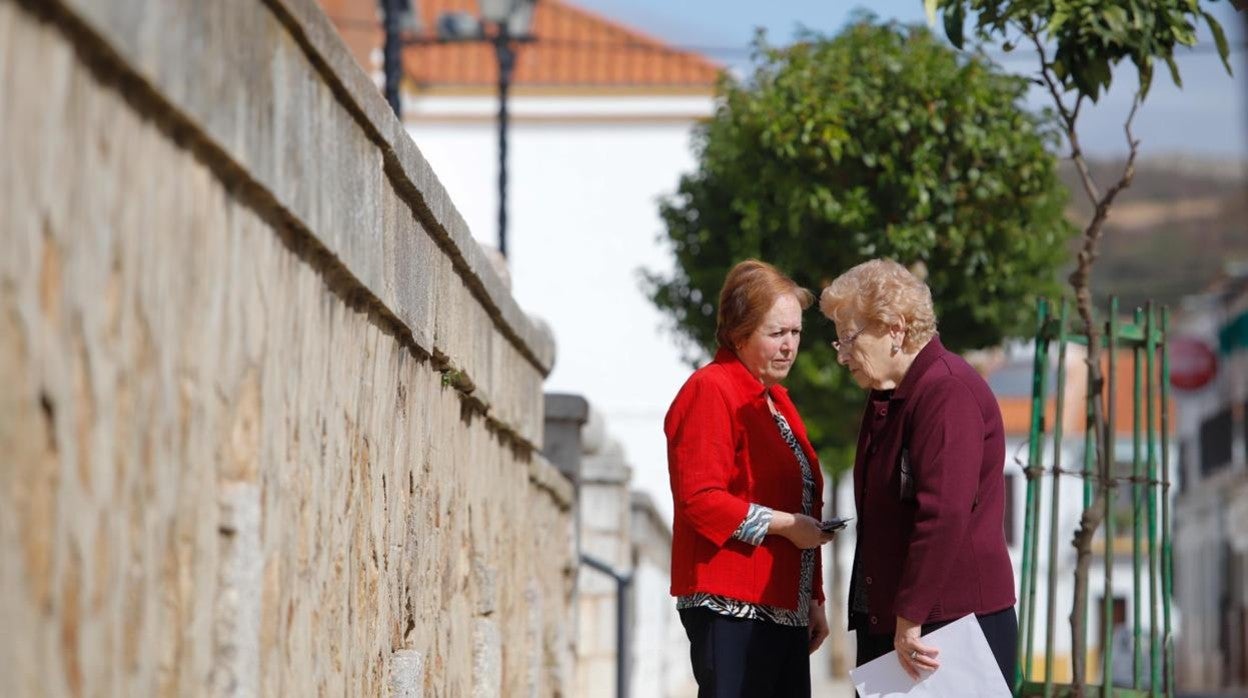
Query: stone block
[(486, 659), (485, 579), (604, 508), (236, 665), (415, 264), (561, 440), (407, 674)]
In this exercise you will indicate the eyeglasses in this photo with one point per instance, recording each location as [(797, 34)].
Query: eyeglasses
[(846, 344)]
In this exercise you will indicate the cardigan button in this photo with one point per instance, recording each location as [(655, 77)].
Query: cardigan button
[(874, 620), (868, 580)]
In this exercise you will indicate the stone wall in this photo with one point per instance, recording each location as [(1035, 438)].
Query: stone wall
[(621, 529), (660, 647), (270, 422), (602, 499)]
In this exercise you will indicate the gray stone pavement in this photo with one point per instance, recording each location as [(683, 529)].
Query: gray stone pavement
[(823, 682), (826, 686)]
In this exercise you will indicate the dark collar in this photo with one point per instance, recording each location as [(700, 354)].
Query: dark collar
[(927, 356)]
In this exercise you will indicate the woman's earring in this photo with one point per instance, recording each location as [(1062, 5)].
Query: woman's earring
[(896, 349)]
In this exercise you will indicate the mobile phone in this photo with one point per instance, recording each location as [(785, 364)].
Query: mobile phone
[(834, 524)]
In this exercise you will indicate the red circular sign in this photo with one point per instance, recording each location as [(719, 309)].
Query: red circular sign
[(1192, 363)]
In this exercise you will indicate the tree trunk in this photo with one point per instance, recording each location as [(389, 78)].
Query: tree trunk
[(1080, 281)]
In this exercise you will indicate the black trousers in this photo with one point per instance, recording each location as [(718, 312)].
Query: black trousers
[(740, 658), (1001, 629)]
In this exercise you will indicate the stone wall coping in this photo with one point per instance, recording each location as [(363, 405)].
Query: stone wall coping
[(414, 180), (544, 475), (642, 505), (650, 534), (427, 193), (606, 469), (567, 407)]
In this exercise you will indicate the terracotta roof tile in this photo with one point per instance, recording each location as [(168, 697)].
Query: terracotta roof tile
[(573, 48), (1016, 413), (1124, 393)]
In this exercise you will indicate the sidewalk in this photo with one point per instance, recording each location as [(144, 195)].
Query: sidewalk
[(827, 687), (822, 683)]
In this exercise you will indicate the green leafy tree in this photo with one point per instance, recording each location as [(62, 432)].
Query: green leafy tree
[(1077, 44), (881, 141)]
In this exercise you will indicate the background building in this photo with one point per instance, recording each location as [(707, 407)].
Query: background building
[(1011, 381), (1211, 517)]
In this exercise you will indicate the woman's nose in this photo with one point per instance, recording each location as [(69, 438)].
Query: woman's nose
[(842, 359)]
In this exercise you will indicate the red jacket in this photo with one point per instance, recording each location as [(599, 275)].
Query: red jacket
[(934, 550), (724, 452)]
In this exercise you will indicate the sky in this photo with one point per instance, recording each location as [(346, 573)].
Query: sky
[(1208, 117)]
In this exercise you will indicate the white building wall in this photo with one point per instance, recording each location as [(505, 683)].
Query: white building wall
[(584, 179), (660, 649), (604, 514), (1069, 512), (1199, 542), (583, 220), (1211, 517)]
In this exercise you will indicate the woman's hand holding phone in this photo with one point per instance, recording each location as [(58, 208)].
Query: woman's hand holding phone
[(834, 525)]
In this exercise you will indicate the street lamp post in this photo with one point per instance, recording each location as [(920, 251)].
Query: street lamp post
[(506, 63), (511, 20), (503, 23), (391, 12), (396, 19)]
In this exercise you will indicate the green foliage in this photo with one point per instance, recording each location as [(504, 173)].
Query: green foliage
[(878, 142), (1090, 36)]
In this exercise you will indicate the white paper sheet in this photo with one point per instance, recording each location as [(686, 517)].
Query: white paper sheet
[(967, 668)]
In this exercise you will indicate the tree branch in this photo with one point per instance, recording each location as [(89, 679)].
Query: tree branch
[(1128, 172), (1068, 115), (1091, 520)]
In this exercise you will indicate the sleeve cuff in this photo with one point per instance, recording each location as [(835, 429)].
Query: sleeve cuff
[(754, 528)]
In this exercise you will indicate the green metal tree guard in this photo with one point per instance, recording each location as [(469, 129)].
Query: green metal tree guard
[(1148, 482)]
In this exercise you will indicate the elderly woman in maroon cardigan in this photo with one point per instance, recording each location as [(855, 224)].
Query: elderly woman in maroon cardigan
[(928, 482), (747, 490)]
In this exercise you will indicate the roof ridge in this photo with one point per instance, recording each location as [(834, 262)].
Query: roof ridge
[(638, 35), (575, 48)]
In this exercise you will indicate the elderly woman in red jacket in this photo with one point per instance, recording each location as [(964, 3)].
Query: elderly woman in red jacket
[(747, 490), (928, 482)]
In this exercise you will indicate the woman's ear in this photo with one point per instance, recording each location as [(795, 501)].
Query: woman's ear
[(897, 331), (897, 334)]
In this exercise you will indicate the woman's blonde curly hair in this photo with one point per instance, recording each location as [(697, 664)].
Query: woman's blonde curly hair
[(883, 293)]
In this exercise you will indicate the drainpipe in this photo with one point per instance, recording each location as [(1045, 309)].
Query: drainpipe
[(623, 589)]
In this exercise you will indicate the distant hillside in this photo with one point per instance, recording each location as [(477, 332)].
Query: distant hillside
[(1170, 234)]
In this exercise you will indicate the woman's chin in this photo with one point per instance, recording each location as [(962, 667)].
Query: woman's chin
[(776, 377)]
